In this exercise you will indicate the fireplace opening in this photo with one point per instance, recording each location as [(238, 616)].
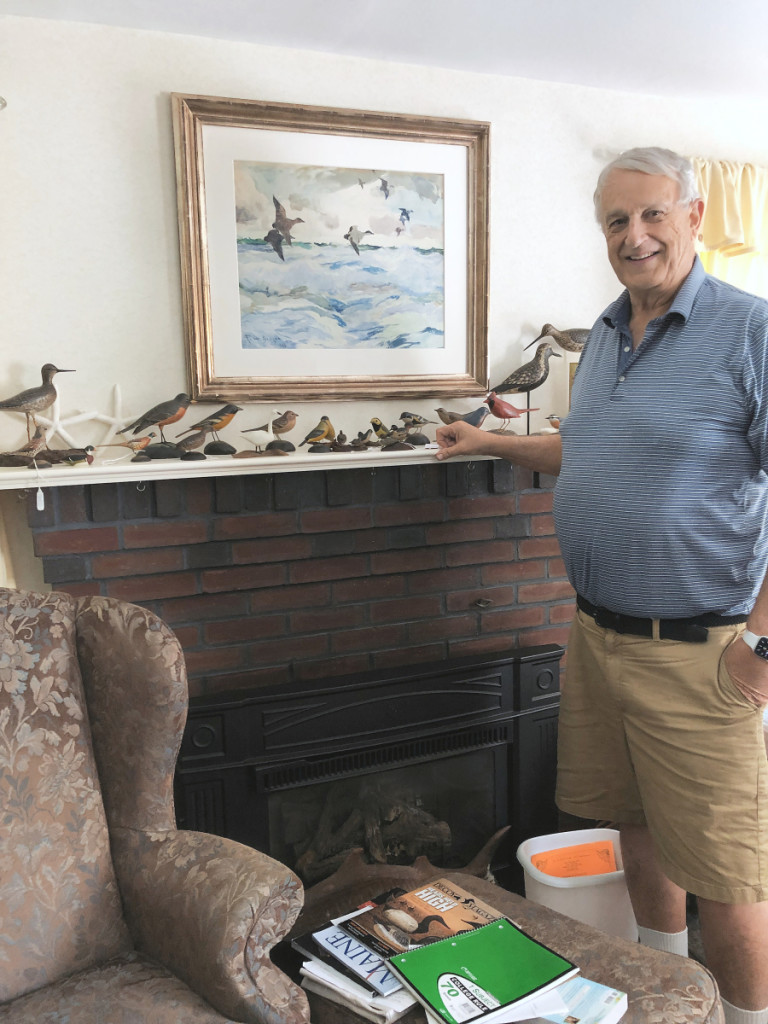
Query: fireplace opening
[(430, 761)]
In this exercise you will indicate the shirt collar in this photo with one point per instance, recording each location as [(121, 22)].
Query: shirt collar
[(617, 314)]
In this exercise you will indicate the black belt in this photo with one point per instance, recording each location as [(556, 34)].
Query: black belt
[(693, 631)]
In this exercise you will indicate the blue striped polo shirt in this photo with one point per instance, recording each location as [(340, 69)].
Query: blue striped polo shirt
[(662, 499)]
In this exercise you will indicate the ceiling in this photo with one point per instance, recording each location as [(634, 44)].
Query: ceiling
[(658, 47)]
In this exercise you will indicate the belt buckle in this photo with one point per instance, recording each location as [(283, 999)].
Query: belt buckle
[(608, 620)]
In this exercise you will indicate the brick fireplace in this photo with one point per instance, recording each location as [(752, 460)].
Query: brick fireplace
[(275, 578)]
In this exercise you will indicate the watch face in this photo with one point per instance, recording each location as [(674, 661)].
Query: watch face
[(761, 647)]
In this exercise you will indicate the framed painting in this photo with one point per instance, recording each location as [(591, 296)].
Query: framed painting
[(331, 254)]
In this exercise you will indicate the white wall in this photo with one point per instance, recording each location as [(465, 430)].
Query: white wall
[(89, 265)]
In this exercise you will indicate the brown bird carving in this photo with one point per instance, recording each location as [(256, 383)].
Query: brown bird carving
[(216, 421), (572, 340), (137, 445), (281, 424), (531, 374), (160, 415), (35, 399)]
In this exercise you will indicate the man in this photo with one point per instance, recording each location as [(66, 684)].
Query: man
[(661, 510)]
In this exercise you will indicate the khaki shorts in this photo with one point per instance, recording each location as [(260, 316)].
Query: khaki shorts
[(654, 732)]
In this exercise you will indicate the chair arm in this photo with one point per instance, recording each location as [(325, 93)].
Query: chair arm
[(210, 910)]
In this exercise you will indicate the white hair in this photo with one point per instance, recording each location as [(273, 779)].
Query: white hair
[(651, 160)]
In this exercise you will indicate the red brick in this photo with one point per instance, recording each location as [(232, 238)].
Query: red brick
[(252, 679), (137, 563), (443, 580), (461, 600), (335, 520), (453, 533), (204, 606), (544, 636), (327, 619), (188, 636), (562, 613), (219, 660), (443, 628), (279, 651), (374, 638), (198, 495), (556, 568), (481, 646), (368, 588), (339, 568), (165, 534), (527, 593), (349, 665), (475, 508), (409, 513), (265, 524), (151, 588), (406, 560), (246, 578), (246, 552), (313, 595), (408, 609), (69, 542), (253, 627), (538, 501), (409, 656), (510, 572), (511, 618), (480, 552), (87, 589), (538, 547), (542, 525)]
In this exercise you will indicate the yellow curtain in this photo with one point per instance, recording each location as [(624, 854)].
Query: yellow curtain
[(733, 242)]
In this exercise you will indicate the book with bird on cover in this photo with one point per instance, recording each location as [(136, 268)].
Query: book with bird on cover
[(480, 975), (433, 911)]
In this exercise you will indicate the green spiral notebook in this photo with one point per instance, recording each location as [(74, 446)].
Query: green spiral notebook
[(479, 975)]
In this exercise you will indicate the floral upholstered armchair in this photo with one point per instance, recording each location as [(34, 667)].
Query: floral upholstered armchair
[(108, 914)]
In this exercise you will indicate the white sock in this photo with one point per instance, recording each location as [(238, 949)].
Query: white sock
[(667, 942), (733, 1015)]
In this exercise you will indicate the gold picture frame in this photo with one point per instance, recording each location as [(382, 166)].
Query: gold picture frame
[(278, 306)]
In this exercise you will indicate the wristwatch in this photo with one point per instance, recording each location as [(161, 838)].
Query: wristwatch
[(759, 644)]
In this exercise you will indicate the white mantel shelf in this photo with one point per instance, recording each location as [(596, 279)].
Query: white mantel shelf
[(106, 472)]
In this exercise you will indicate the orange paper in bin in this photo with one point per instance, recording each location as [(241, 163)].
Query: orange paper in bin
[(597, 858)]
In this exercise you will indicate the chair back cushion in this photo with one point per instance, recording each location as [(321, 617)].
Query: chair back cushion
[(60, 908)]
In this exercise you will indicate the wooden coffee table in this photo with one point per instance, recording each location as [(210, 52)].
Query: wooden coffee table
[(659, 986)]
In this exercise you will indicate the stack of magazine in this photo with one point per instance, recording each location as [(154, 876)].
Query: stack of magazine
[(442, 947)]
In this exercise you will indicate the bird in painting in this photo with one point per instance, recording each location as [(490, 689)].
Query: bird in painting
[(354, 236), (384, 186), (283, 222), (502, 410), (275, 239), (160, 415), (531, 374), (35, 399), (321, 434), (216, 421), (572, 340)]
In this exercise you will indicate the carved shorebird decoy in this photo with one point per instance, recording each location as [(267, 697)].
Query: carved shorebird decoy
[(572, 340), (504, 411), (323, 432), (35, 399), (216, 421), (282, 222), (281, 424), (531, 374), (160, 415)]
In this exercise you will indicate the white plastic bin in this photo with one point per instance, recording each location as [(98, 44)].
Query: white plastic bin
[(599, 900)]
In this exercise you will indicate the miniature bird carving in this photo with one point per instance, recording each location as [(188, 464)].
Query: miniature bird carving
[(572, 340), (283, 222), (160, 415), (531, 374), (35, 399), (475, 418), (502, 410), (412, 420), (137, 445), (216, 421), (281, 424), (322, 433)]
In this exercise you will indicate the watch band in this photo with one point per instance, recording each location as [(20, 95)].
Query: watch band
[(759, 644)]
